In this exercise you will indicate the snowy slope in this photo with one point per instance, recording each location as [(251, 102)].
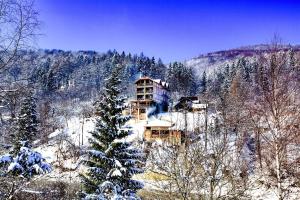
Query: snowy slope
[(219, 59)]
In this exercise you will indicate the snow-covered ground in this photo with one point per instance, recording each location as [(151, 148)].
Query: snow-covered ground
[(78, 130)]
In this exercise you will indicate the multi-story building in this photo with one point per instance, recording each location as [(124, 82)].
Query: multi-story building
[(152, 95)]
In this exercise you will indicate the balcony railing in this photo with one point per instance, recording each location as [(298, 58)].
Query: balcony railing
[(140, 91), (149, 91)]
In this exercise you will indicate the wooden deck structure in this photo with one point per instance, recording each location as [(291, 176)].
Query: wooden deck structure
[(159, 130)]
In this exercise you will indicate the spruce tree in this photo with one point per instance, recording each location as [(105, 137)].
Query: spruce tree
[(22, 163), (27, 124), (111, 161), (204, 82)]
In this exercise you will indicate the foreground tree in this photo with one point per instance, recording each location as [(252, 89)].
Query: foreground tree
[(22, 164), (19, 24), (111, 161), (193, 172), (27, 124), (275, 114)]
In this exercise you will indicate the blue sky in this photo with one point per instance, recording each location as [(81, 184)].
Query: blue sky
[(170, 29)]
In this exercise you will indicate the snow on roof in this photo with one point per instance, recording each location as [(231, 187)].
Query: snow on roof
[(199, 105), (155, 122), (165, 84), (194, 120), (157, 81)]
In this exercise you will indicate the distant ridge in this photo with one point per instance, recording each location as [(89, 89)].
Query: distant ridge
[(213, 60)]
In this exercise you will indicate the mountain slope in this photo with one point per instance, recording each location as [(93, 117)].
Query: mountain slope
[(214, 60)]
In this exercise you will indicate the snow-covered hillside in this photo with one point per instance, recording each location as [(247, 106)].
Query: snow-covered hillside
[(214, 60)]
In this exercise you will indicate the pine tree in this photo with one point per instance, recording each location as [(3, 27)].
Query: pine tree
[(27, 124), (111, 162), (182, 79), (204, 82), (22, 163)]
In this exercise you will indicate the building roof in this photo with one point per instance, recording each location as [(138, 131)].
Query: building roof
[(145, 100), (143, 78), (165, 84), (158, 81), (199, 105), (155, 122)]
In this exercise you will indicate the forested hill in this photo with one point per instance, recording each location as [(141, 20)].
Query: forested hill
[(79, 74), (210, 62)]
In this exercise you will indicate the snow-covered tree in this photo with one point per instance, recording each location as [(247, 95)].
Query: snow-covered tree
[(196, 172), (204, 82), (27, 124), (182, 79), (19, 170), (275, 117), (22, 163), (111, 161), (26, 163)]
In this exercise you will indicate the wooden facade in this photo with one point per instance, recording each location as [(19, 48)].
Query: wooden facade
[(191, 104), (163, 132), (139, 108), (151, 89), (149, 94)]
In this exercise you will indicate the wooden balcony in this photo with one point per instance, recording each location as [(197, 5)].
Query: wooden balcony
[(140, 91), (148, 90)]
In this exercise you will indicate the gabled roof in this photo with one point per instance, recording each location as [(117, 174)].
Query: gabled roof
[(158, 81), (165, 84), (143, 78)]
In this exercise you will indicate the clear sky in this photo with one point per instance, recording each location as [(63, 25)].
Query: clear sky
[(169, 29)]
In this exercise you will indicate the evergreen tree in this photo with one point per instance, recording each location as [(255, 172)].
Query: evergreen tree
[(27, 124), (182, 79), (22, 163), (161, 68), (153, 70), (111, 161), (204, 82)]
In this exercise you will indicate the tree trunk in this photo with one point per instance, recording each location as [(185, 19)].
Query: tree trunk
[(278, 173), (258, 149), (205, 142), (11, 192), (211, 190)]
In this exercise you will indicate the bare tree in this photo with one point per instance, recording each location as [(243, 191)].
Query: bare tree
[(275, 115), (19, 24), (193, 172), (176, 170)]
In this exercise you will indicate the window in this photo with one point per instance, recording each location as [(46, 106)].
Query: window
[(164, 132), (155, 133), (142, 110), (140, 90), (140, 97)]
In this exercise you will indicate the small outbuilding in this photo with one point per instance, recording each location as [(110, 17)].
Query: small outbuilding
[(161, 130)]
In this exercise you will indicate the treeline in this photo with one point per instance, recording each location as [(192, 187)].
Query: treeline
[(80, 74)]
